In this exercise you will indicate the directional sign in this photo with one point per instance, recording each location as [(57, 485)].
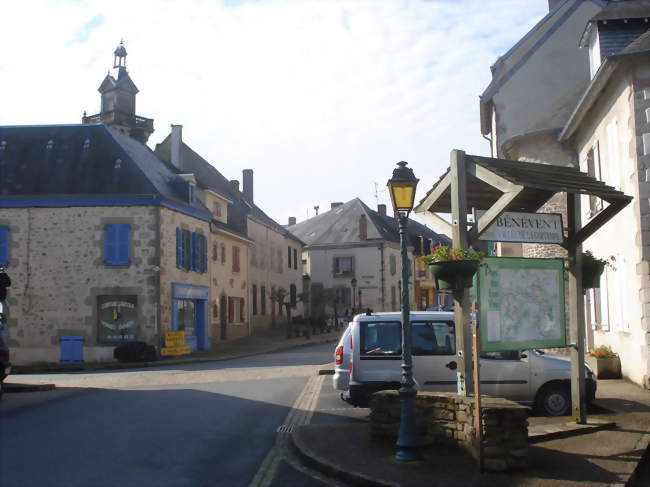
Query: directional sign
[(513, 226), (174, 338), (175, 350)]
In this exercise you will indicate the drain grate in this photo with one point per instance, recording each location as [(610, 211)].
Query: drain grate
[(284, 429)]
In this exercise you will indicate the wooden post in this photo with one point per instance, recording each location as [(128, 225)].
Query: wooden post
[(458, 173), (576, 311)]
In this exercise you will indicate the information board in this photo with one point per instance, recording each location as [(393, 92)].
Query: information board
[(521, 303)]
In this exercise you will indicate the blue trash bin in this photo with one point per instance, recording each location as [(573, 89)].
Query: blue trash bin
[(72, 349)]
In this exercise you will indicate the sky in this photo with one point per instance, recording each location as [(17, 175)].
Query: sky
[(321, 98)]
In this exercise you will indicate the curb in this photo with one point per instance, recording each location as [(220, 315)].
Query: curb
[(17, 369), (10, 387), (313, 460), (573, 430)]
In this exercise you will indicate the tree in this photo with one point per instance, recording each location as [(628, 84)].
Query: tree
[(279, 295)]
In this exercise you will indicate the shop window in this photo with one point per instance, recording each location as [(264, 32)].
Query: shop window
[(4, 245), (117, 244), (186, 317)]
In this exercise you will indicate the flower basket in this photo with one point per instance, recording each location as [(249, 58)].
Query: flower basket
[(454, 274), (591, 271)]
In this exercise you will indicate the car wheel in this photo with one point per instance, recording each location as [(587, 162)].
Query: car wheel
[(554, 400)]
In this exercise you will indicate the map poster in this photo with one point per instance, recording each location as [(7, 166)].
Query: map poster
[(521, 303)]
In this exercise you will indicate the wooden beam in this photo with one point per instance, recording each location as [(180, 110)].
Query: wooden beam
[(436, 222), (491, 178), (493, 213), (598, 221), (437, 192)]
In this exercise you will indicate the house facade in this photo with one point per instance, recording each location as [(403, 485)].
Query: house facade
[(352, 241), (609, 129)]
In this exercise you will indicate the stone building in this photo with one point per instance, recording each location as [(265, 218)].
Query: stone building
[(109, 242), (609, 130), (353, 241)]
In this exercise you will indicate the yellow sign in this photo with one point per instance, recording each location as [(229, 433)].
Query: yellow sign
[(175, 350), (174, 338)]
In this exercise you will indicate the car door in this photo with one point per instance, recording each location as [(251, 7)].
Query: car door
[(434, 355), (506, 374)]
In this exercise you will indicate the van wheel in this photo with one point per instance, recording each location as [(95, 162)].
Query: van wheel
[(554, 400)]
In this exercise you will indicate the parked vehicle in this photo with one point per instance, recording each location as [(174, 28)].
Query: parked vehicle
[(368, 359), (5, 365)]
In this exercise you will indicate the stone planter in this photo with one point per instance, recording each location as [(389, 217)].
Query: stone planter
[(605, 368), (454, 274)]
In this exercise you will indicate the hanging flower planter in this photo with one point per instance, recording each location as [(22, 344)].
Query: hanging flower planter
[(454, 274), (453, 269), (592, 268)]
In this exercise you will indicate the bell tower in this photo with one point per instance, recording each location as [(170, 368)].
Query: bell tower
[(118, 101)]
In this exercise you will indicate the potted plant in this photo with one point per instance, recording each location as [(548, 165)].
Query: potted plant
[(453, 268), (592, 268), (605, 363)]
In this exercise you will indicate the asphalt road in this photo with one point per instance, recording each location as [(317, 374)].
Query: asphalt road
[(208, 424)]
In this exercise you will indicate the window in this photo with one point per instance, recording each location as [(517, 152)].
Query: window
[(292, 295), (433, 338), (203, 253), (235, 259), (223, 254), (4, 245), (295, 259), (393, 265), (117, 244), (613, 162), (383, 338), (263, 299), (191, 251), (343, 266), (191, 190), (593, 169), (254, 294), (235, 310), (594, 53), (289, 257), (343, 295), (215, 253), (187, 250), (217, 209)]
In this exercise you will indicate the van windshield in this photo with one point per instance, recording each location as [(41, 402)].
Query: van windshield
[(429, 338)]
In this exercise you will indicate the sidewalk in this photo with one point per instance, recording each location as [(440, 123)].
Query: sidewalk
[(563, 454), (267, 342)]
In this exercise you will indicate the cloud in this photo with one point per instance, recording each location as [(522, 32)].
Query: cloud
[(319, 98)]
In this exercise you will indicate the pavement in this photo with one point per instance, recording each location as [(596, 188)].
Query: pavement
[(605, 452)]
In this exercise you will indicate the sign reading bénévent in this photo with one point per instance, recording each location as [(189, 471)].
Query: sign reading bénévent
[(524, 227)]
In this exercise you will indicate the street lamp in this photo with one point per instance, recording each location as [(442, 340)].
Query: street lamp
[(402, 193), (353, 283)]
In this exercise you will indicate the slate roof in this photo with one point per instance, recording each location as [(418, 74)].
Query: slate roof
[(81, 160), (208, 177), (340, 226)]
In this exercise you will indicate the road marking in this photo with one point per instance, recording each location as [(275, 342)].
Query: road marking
[(300, 413)]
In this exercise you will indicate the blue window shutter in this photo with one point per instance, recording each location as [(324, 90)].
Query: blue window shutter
[(123, 244), (179, 248), (4, 245), (195, 253), (205, 253), (110, 247)]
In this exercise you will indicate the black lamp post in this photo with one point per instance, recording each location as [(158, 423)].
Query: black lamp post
[(353, 283), (402, 193)]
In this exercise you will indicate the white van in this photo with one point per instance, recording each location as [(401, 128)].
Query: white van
[(368, 359)]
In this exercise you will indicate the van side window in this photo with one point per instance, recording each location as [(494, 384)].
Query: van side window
[(382, 338), (433, 338)]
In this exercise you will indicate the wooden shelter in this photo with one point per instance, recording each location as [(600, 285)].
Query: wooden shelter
[(499, 185)]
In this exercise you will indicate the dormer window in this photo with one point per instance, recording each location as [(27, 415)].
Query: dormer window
[(217, 209), (191, 192), (594, 53)]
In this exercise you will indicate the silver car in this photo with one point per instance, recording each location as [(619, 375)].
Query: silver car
[(368, 359)]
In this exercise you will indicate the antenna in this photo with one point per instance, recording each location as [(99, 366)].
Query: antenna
[(377, 191), (316, 209)]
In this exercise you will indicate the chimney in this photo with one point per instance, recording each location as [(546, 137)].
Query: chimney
[(381, 209), (334, 205), (247, 184), (234, 185), (363, 228), (552, 4), (177, 141), (292, 220)]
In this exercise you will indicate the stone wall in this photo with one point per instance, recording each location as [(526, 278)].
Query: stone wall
[(447, 418)]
